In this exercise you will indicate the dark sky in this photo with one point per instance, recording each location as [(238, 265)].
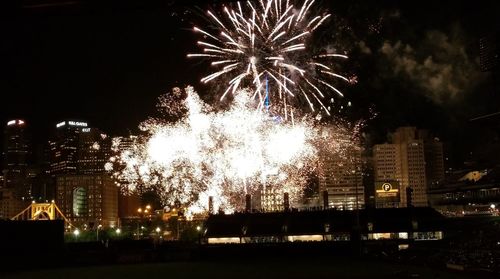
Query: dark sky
[(416, 61)]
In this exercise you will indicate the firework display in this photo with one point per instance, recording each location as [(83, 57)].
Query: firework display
[(224, 154), (263, 45), (262, 144)]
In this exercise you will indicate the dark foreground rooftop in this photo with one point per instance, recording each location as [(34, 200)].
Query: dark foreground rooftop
[(324, 221)]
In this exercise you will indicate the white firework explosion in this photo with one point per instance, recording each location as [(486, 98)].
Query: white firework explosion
[(224, 154), (263, 45)]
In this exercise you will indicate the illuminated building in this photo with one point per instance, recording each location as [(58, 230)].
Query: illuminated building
[(16, 192), (90, 199), (78, 149), (414, 160), (94, 150), (397, 224), (16, 150), (342, 179), (64, 147), (16, 145)]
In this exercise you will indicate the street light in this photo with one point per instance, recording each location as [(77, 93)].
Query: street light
[(198, 228), (76, 232), (118, 231), (97, 231)]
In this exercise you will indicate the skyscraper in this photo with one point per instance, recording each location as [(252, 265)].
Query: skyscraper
[(414, 160), (78, 149), (15, 193), (64, 147), (94, 150), (15, 146)]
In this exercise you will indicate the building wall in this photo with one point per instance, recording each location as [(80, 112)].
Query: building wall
[(342, 178), (94, 150), (387, 162), (63, 150), (98, 195), (11, 204), (414, 175), (128, 205), (434, 158)]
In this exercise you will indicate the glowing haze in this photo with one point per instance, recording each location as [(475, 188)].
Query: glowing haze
[(224, 154), (263, 45)]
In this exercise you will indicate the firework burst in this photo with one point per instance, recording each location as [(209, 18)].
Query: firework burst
[(263, 45), (223, 155)]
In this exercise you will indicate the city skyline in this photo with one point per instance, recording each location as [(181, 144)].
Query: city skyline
[(249, 139), (439, 69)]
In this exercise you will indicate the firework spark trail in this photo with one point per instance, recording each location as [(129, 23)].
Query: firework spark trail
[(266, 40), (222, 154)]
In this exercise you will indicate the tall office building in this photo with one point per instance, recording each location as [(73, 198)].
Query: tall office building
[(64, 147), (88, 199), (78, 149), (42, 183), (94, 150), (15, 145), (404, 161), (15, 194), (342, 178), (16, 150)]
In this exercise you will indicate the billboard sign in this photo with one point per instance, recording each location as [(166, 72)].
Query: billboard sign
[(387, 191)]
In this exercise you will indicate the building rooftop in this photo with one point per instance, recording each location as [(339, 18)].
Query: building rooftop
[(324, 221)]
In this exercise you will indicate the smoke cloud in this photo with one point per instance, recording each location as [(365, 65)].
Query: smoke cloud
[(438, 65)]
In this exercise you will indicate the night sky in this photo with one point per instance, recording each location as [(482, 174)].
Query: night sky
[(417, 62)]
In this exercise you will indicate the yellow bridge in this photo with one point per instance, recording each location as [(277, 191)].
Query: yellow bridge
[(43, 211)]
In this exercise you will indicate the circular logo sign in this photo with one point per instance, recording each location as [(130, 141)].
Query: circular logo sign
[(386, 187)]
